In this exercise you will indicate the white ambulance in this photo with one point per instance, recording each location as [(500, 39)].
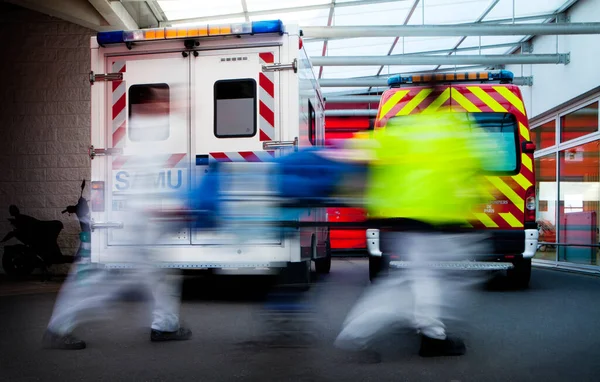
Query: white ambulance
[(242, 92)]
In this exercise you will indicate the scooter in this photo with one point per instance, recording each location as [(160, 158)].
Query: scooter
[(39, 247)]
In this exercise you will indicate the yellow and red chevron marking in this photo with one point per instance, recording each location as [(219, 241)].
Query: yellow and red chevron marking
[(507, 202)]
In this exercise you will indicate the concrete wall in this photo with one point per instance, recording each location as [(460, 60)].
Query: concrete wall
[(556, 84), (44, 117)]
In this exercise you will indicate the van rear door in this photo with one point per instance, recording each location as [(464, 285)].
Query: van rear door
[(236, 109), (147, 118)]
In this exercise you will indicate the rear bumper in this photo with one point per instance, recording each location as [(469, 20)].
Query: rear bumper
[(520, 243)]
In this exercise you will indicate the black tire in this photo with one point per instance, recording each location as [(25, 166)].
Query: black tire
[(296, 275), (323, 265), (16, 262), (520, 275)]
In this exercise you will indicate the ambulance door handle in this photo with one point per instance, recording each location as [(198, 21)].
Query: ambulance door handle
[(270, 145), (106, 225), (94, 151)]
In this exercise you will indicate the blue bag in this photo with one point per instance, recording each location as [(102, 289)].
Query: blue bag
[(205, 198), (306, 175)]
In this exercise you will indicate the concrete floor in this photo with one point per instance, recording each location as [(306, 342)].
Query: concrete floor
[(547, 333)]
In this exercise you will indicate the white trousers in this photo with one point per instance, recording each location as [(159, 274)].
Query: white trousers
[(85, 296), (419, 297)]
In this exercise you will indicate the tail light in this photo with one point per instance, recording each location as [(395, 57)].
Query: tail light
[(97, 196), (300, 43), (530, 205)]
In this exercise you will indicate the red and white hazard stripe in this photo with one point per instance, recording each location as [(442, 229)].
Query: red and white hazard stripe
[(266, 97), (158, 160), (242, 156), (119, 101)]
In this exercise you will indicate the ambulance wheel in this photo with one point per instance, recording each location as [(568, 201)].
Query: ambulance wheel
[(323, 264), (297, 274), (520, 275)]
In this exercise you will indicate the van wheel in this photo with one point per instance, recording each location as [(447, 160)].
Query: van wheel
[(323, 265), (520, 275), (297, 275)]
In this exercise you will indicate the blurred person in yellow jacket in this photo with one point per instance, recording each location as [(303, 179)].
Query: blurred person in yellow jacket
[(425, 179)]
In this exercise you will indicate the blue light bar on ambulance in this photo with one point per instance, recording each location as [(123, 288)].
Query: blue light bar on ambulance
[(499, 75), (208, 30)]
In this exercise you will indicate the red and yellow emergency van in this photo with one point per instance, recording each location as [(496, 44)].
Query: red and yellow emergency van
[(493, 103)]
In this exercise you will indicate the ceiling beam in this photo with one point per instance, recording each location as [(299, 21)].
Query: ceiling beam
[(452, 30), (156, 11), (424, 59), (74, 11), (545, 16), (116, 15), (329, 20), (478, 20), (382, 82), (272, 11), (406, 21), (245, 8)]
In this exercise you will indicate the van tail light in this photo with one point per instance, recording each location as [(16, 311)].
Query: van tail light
[(97, 196), (530, 205), (300, 43)]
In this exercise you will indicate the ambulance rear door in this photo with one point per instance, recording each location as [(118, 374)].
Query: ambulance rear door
[(235, 110), (149, 121)]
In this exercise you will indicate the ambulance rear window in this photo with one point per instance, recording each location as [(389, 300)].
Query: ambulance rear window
[(149, 109), (503, 130), (235, 108)]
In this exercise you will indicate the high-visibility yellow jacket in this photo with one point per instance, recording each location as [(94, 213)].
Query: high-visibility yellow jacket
[(426, 167)]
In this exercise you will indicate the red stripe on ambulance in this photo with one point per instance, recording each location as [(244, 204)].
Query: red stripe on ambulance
[(266, 82), (242, 156)]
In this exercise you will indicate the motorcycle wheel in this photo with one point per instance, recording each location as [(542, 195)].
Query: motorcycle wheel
[(15, 262)]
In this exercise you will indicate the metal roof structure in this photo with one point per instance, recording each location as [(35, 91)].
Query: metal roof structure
[(369, 13)]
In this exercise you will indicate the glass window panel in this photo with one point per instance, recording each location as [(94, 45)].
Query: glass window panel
[(462, 67), (392, 13), (504, 9), (238, 95), (347, 91), (449, 11), (149, 111), (473, 41), (424, 44), (349, 71), (175, 10), (406, 69), (545, 188), (544, 136), (266, 5), (240, 19), (313, 48), (501, 128), (496, 51), (317, 17), (579, 202), (579, 123), (360, 46)]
